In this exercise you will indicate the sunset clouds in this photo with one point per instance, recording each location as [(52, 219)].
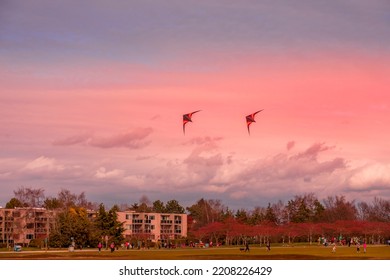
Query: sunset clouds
[(93, 94), (130, 139)]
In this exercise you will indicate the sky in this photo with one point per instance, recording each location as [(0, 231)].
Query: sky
[(93, 92)]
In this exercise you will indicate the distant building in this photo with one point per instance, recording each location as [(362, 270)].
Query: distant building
[(21, 225), (153, 226)]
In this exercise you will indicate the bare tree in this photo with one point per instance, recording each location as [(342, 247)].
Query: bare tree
[(30, 197), (338, 208), (378, 210)]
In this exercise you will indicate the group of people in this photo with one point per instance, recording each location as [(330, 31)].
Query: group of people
[(112, 247), (358, 244), (358, 247)]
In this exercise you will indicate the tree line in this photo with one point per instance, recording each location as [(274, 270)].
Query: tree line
[(302, 218), (299, 209)]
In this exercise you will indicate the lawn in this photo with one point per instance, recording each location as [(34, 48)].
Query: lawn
[(222, 253)]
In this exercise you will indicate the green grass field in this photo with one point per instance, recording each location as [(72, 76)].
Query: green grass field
[(222, 253)]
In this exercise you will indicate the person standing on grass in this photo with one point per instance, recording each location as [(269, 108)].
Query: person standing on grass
[(112, 246), (358, 246), (100, 246), (364, 247), (334, 248), (268, 245)]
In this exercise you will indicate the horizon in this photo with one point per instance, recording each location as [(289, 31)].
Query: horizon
[(95, 104), (142, 199)]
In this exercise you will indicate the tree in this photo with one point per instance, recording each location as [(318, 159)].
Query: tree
[(13, 203), (242, 216), (363, 209), (68, 199), (81, 201), (304, 208), (30, 197), (101, 221), (73, 225), (270, 215), (158, 207), (144, 205), (115, 227), (52, 203), (378, 210), (318, 212), (106, 224), (207, 211), (143, 208), (173, 206), (298, 210), (257, 216), (338, 208), (134, 207)]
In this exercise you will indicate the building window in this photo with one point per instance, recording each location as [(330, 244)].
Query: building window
[(30, 236), (128, 216), (16, 214)]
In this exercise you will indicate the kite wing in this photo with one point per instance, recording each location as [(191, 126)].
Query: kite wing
[(187, 118), (250, 119)]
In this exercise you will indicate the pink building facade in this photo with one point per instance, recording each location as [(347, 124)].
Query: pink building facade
[(153, 226), (21, 225)]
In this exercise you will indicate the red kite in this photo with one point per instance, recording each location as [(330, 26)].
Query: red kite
[(186, 119), (250, 119)]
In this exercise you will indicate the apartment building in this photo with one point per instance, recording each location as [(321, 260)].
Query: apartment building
[(153, 226), (21, 225)]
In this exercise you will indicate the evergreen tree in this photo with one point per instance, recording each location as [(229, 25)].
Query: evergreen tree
[(14, 202), (173, 206), (270, 214), (115, 229), (158, 207), (242, 216)]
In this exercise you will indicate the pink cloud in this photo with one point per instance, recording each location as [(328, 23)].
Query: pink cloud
[(374, 176), (103, 173), (44, 163), (312, 152), (134, 139), (282, 173), (72, 140)]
